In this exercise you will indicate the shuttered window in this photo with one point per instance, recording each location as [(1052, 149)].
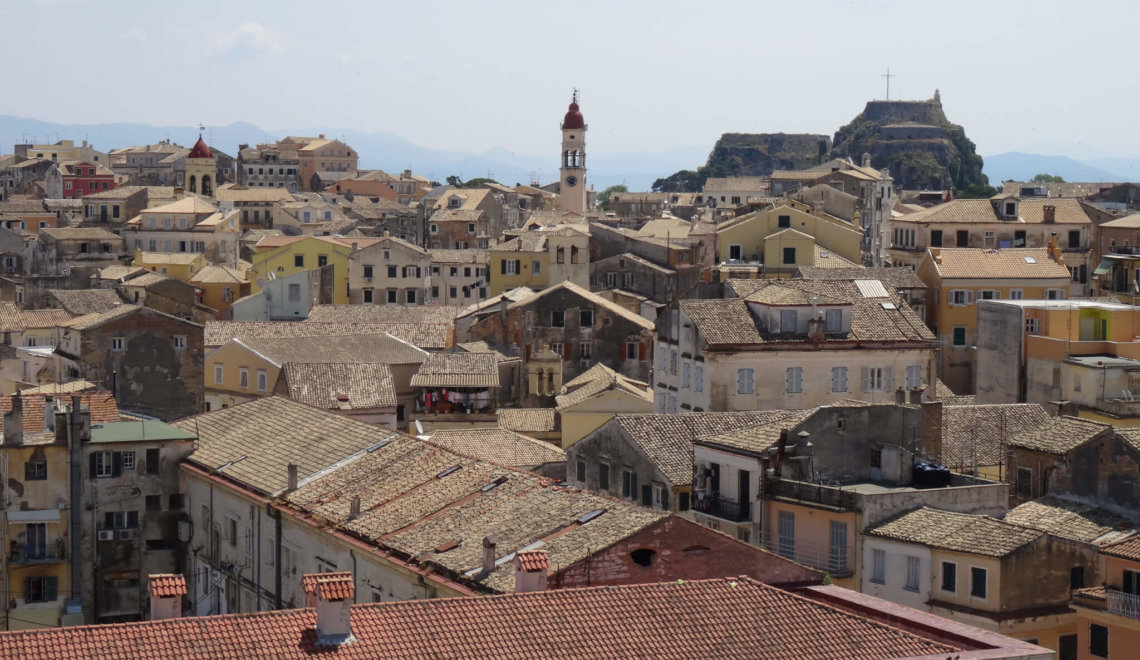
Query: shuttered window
[(839, 379), (794, 380), (745, 381)]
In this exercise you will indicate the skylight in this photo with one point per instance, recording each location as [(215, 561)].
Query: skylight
[(872, 289), (1030, 260)]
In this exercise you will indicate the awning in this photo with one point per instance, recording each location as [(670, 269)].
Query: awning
[(34, 515), (1103, 268)]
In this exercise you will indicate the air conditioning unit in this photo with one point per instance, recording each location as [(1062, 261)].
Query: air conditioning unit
[(584, 363), (127, 534), (106, 535)]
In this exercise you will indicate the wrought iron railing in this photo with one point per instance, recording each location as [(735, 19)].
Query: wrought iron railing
[(1123, 604)]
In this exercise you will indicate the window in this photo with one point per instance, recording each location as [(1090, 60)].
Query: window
[(294, 293), (977, 582), (745, 381), (877, 379), (877, 458), (1025, 482), (35, 470), (103, 464), (1075, 239), (604, 476), (700, 378), (1077, 577), (686, 374), (789, 256), (262, 380), (949, 577), (117, 344), (787, 535), (1054, 294), (128, 460), (560, 255), (911, 573), (632, 350), (1033, 326), (959, 338), (298, 261), (367, 295), (243, 377), (833, 321), (176, 501), (793, 380), (628, 483), (121, 520), (734, 252), (936, 238), (152, 463), (154, 503), (839, 379), (510, 267), (1098, 640), (410, 296), (586, 350), (627, 281), (989, 294), (434, 229), (392, 296), (878, 566), (611, 280), (837, 547), (788, 320), (586, 318), (232, 531), (784, 221), (989, 239), (581, 471), (42, 589), (558, 319), (914, 377), (536, 267), (963, 238), (960, 297), (1016, 294), (368, 272)]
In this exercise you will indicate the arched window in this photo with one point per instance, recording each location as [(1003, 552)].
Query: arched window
[(206, 187), (561, 255), (193, 183), (550, 381), (573, 254)]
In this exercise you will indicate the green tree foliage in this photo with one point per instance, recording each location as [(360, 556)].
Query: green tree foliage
[(481, 181), (1047, 178), (976, 191), (604, 196), (683, 181)]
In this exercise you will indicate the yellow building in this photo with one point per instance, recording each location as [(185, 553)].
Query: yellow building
[(1108, 615), (779, 239), (221, 286), (182, 266), (236, 373), (956, 278), (521, 261), (593, 398), (279, 256)]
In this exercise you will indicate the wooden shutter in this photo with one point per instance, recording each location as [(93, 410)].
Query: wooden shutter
[(92, 457), (51, 588), (888, 379), (866, 379), (641, 351), (116, 464), (647, 495), (503, 267), (526, 350), (518, 267), (566, 350)]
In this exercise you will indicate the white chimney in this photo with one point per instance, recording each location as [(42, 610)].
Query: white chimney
[(530, 570), (335, 594), (166, 592)]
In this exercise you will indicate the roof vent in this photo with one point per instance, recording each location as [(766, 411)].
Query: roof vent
[(590, 516)]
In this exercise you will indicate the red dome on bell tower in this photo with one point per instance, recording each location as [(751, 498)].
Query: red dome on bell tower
[(574, 118), (200, 150)]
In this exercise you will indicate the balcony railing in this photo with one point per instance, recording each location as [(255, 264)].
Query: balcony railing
[(34, 554), (802, 491), (724, 508), (836, 560), (1133, 250), (1123, 604)]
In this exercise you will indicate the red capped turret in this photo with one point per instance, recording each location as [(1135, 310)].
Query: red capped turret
[(200, 149), (574, 118)]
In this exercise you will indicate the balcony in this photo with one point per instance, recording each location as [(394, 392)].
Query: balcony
[(800, 491), (724, 508), (37, 554), (836, 560), (1123, 604), (1128, 250)]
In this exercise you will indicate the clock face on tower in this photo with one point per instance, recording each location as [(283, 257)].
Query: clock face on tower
[(571, 180)]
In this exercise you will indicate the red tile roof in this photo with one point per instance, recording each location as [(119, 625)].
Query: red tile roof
[(309, 580), (1129, 548), (164, 585), (533, 560), (725, 618), (101, 402), (340, 587)]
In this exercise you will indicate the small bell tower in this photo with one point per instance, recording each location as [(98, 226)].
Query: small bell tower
[(573, 169)]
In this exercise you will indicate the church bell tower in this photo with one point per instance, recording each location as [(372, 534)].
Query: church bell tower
[(573, 170)]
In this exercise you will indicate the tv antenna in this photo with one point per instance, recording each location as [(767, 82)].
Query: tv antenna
[(888, 76)]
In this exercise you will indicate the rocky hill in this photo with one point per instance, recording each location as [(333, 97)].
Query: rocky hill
[(915, 141), (750, 154)]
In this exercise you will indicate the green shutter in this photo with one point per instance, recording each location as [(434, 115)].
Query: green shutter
[(116, 463), (52, 589)]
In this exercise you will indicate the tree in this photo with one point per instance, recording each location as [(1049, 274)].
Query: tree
[(604, 196), (976, 191), (477, 182), (1047, 178), (683, 181)]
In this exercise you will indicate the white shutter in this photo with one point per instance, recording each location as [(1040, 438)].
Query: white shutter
[(969, 297), (888, 379), (866, 378)]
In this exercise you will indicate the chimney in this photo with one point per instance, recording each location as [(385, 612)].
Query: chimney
[(1050, 213), (335, 593), (530, 570), (866, 160), (489, 547), (1055, 249), (292, 477), (816, 328), (354, 507), (900, 395), (166, 592), (14, 423), (916, 395), (408, 175), (780, 449), (932, 430)]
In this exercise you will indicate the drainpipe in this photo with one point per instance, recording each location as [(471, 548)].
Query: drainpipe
[(277, 559), (76, 495)]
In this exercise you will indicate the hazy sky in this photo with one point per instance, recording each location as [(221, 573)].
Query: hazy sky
[(1047, 77)]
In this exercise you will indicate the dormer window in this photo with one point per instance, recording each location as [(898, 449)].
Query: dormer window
[(1011, 209), (453, 203)]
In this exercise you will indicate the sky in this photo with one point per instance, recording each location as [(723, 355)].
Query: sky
[(1046, 77)]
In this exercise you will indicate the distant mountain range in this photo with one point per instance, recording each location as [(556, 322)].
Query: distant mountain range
[(377, 150), (1018, 166)]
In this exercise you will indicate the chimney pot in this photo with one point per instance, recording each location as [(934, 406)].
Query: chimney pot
[(900, 395), (916, 395), (354, 507)]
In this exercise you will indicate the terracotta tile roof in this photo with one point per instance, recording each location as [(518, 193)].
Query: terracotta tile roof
[(384, 314), (1059, 435), (1092, 593), (165, 585), (426, 336), (527, 420), (598, 379), (440, 256), (760, 437), (959, 532), (725, 618), (14, 319), (1076, 521), (525, 243), (609, 306), (102, 404), (825, 259), (337, 349), (978, 434), (1010, 263), (499, 446), (253, 443), (896, 278), (214, 274), (532, 561), (59, 389), (975, 211), (95, 319), (1129, 548), (309, 580), (456, 215), (343, 386), (338, 587), (79, 233), (458, 370), (86, 301)]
